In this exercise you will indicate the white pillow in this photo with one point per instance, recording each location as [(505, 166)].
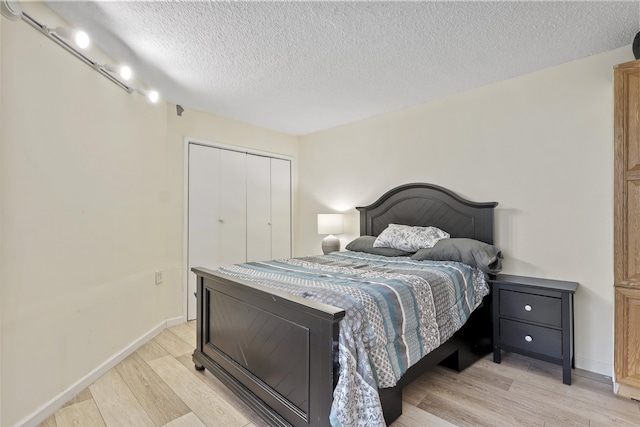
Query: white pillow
[(409, 238)]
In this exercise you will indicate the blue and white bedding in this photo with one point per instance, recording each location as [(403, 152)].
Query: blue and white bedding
[(397, 311)]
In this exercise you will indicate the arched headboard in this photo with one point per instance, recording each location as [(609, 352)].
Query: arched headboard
[(429, 205)]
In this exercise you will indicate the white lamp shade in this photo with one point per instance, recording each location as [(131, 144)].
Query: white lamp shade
[(330, 223)]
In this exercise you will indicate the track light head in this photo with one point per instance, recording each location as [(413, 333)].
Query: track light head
[(82, 39), (79, 37), (152, 95), (123, 71)]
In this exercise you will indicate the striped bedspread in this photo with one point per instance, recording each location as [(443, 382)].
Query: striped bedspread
[(397, 311)]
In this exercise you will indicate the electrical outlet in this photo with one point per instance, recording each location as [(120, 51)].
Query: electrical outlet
[(158, 277)]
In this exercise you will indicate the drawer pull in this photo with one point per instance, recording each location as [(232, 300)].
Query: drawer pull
[(527, 307), (528, 338)]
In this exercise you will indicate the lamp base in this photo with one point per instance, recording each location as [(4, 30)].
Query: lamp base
[(330, 244)]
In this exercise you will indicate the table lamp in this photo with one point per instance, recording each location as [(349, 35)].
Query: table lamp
[(330, 224)]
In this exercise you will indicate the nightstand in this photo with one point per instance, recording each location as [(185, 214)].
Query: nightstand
[(534, 317)]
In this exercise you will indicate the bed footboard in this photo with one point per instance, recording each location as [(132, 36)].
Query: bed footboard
[(277, 351), (272, 349)]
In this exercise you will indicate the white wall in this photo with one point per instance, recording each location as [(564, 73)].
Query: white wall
[(91, 186), (83, 219), (541, 145)]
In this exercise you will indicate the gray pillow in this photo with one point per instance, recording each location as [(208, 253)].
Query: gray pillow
[(365, 244), (472, 252)]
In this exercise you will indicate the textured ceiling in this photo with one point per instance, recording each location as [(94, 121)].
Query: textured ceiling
[(300, 67)]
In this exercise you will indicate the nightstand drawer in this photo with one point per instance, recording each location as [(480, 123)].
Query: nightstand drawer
[(531, 308), (537, 339)]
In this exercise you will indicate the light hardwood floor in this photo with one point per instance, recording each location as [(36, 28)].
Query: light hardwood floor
[(158, 386)]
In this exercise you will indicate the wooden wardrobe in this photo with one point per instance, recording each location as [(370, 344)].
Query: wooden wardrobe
[(627, 229)]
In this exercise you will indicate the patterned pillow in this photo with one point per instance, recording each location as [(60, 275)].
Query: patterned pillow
[(409, 238)]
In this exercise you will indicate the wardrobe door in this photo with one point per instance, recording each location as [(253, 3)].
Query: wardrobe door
[(232, 219), (258, 208), (204, 211), (627, 229), (280, 208)]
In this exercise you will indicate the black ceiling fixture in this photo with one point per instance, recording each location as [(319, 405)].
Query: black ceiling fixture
[(636, 46)]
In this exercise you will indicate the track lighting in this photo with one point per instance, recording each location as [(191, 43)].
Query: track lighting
[(123, 70), (79, 37), (151, 95), (10, 9)]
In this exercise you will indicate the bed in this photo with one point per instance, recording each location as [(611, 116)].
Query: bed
[(278, 349)]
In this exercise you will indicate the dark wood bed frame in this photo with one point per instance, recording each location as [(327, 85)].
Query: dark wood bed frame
[(278, 352)]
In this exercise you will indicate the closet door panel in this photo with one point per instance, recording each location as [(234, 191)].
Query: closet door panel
[(280, 208), (258, 208), (204, 210), (232, 246)]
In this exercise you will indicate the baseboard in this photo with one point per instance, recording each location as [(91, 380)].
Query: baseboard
[(605, 369), (175, 321), (49, 408)]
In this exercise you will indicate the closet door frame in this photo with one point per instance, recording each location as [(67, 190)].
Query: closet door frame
[(185, 252)]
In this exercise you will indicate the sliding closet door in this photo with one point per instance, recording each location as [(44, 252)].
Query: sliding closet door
[(280, 208), (258, 208)]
